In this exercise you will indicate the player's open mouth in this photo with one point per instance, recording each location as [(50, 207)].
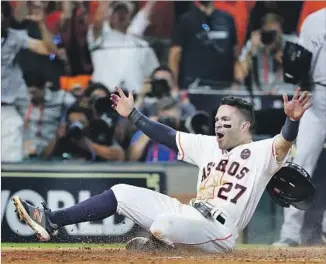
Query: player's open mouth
[(219, 135)]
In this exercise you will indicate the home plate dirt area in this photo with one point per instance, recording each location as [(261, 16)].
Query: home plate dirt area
[(119, 255)]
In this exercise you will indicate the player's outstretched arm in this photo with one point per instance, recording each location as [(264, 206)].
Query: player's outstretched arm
[(294, 110), (160, 133)]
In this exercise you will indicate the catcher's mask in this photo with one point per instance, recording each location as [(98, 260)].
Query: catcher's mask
[(296, 65), (292, 185)]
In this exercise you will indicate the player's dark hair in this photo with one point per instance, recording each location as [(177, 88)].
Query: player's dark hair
[(245, 108)]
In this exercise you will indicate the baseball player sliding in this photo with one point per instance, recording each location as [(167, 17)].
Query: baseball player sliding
[(233, 174), (313, 38)]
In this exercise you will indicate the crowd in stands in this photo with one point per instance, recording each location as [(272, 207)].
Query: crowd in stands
[(61, 60)]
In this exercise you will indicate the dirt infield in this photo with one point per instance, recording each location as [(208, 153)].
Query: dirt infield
[(120, 256)]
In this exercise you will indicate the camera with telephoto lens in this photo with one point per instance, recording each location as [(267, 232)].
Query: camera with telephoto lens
[(268, 36), (75, 130), (102, 131), (198, 123), (160, 88), (102, 105)]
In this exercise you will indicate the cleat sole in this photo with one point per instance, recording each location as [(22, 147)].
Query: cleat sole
[(40, 232)]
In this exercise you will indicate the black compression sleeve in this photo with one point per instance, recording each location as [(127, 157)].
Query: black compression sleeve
[(160, 133)]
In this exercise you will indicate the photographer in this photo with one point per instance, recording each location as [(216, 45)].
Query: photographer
[(98, 96), (261, 57), (162, 83), (142, 148), (41, 111), (84, 138)]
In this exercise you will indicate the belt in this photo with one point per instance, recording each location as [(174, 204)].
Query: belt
[(206, 211)]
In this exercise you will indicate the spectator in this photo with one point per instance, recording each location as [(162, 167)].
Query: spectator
[(119, 57), (72, 25), (261, 57), (52, 65), (161, 84), (41, 112), (84, 138), (281, 8), (98, 95), (204, 47), (162, 18), (142, 148), (12, 83), (77, 91)]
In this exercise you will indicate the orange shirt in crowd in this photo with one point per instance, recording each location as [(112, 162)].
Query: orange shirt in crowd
[(309, 7), (68, 82)]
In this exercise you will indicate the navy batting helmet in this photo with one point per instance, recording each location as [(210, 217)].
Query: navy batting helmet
[(292, 185)]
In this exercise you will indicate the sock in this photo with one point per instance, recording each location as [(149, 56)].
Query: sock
[(93, 209)]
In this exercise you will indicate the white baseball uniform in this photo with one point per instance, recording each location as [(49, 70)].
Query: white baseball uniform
[(231, 183), (312, 130)]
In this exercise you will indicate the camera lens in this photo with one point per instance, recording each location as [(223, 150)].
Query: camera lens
[(102, 105), (268, 36), (160, 88), (75, 130)]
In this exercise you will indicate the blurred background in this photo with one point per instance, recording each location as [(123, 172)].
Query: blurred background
[(61, 140)]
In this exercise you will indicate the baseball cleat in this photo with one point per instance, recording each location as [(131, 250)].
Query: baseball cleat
[(36, 218), (138, 244), (146, 244)]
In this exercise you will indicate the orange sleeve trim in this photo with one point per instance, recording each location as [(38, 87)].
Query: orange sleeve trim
[(180, 146)]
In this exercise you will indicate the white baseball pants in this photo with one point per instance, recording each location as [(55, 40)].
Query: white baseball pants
[(310, 142), (171, 221), (12, 148)]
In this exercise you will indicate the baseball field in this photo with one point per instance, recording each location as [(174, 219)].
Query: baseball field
[(100, 254)]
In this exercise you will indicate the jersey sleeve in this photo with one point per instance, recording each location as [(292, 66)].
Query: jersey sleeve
[(307, 33), (271, 164), (191, 147)]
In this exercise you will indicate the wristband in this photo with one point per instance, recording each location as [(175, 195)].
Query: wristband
[(132, 111), (134, 115), (290, 130)]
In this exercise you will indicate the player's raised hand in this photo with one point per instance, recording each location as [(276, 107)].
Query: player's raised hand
[(121, 103), (295, 108)]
